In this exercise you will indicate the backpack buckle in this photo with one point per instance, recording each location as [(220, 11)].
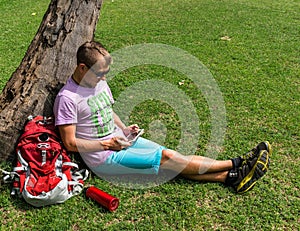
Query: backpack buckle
[(43, 145)]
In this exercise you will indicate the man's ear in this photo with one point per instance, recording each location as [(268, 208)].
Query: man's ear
[(82, 67)]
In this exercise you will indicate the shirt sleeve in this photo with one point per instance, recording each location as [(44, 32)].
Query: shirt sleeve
[(111, 96), (65, 110)]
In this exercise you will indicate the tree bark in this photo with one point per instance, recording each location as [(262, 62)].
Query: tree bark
[(48, 62)]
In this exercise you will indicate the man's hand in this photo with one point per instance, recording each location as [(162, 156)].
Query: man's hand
[(132, 129), (74, 144), (115, 143)]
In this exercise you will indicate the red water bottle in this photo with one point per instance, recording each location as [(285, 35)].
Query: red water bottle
[(103, 198)]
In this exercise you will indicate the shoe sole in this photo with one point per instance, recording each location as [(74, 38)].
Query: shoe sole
[(257, 171)]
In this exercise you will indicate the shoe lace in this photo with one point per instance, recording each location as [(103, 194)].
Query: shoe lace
[(249, 155)]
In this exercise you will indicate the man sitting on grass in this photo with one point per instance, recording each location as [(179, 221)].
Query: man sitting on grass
[(87, 124)]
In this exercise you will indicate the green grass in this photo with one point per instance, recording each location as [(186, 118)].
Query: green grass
[(257, 72)]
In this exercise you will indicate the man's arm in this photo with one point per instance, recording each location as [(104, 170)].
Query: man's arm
[(74, 144), (118, 121), (126, 130)]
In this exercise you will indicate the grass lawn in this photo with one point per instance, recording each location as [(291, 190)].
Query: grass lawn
[(251, 49)]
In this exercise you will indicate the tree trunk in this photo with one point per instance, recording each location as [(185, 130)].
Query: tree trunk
[(48, 62)]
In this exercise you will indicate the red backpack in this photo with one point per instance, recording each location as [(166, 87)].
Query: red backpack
[(44, 173)]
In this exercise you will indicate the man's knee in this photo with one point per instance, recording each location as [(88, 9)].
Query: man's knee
[(166, 155)]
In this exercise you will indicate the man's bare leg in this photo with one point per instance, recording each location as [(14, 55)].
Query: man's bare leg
[(209, 177), (192, 165)]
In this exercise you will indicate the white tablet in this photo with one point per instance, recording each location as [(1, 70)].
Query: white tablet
[(132, 137)]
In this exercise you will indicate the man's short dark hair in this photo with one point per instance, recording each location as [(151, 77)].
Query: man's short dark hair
[(88, 53)]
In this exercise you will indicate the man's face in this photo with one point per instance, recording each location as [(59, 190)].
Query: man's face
[(96, 73)]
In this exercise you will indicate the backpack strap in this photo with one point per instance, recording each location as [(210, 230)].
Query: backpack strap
[(78, 177), (11, 176), (8, 176), (71, 164), (22, 161)]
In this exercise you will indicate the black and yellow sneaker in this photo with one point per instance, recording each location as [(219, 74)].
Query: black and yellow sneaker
[(244, 178), (256, 168), (256, 151), (253, 153)]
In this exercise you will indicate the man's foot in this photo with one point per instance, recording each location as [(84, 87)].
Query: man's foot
[(254, 152), (245, 177)]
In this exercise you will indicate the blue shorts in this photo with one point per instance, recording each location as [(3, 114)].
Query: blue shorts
[(143, 157)]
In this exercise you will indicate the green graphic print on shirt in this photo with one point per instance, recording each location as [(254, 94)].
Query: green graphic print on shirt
[(102, 114)]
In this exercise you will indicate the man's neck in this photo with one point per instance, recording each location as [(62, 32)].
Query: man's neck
[(75, 79), (77, 76)]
